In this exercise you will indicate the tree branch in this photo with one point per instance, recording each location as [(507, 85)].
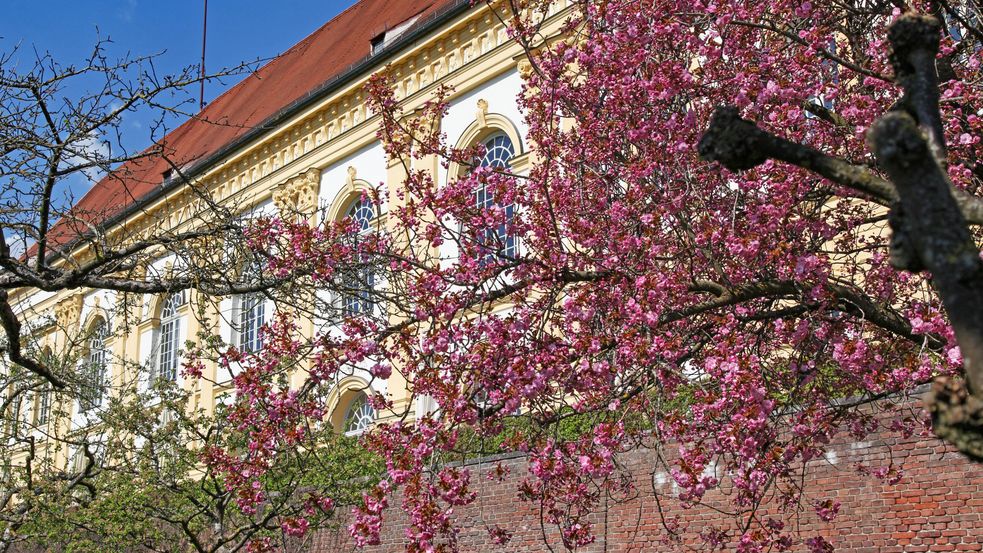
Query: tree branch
[(739, 144), (933, 224), (12, 328), (914, 45)]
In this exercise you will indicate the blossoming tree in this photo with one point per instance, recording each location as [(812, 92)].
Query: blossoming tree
[(92, 458), (738, 284)]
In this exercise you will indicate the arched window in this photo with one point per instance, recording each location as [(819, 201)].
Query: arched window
[(96, 367), (362, 212), (359, 282), (359, 416), (499, 151), (168, 338), (251, 314)]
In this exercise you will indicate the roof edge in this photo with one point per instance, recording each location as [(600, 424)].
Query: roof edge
[(417, 31)]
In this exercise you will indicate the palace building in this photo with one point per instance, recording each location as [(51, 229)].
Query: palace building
[(297, 138), (294, 137)]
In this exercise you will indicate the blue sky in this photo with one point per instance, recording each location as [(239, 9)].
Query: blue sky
[(238, 31)]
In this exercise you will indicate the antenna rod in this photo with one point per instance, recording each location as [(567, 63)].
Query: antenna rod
[(201, 71)]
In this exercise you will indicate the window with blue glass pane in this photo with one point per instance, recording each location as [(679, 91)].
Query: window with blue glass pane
[(362, 213), (496, 241), (359, 281)]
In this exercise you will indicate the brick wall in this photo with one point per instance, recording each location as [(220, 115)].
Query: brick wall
[(937, 506)]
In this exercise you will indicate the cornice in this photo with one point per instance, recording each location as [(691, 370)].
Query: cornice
[(451, 41)]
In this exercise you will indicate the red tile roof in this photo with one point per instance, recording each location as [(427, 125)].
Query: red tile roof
[(326, 54)]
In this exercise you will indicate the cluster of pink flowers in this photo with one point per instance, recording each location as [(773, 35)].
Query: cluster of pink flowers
[(661, 298)]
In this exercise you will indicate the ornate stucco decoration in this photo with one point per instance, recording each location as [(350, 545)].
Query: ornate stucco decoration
[(524, 67), (482, 113), (297, 196), (352, 176), (447, 53), (68, 313)]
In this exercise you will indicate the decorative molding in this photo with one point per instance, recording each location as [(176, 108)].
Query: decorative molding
[(450, 50), (93, 317), (339, 398), (298, 195), (335, 209), (478, 130), (524, 68), (447, 51), (68, 312), (482, 113), (352, 175)]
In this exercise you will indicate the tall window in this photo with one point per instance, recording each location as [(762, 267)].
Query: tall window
[(359, 282), (359, 416), (252, 316), (95, 368), (17, 416), (44, 406), (168, 337), (251, 313), (44, 395), (499, 240)]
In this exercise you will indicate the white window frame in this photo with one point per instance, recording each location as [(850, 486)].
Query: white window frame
[(359, 416), (96, 366), (484, 199), (42, 411), (250, 316), (168, 337), (361, 302)]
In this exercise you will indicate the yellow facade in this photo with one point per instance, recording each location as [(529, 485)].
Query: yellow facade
[(314, 162)]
